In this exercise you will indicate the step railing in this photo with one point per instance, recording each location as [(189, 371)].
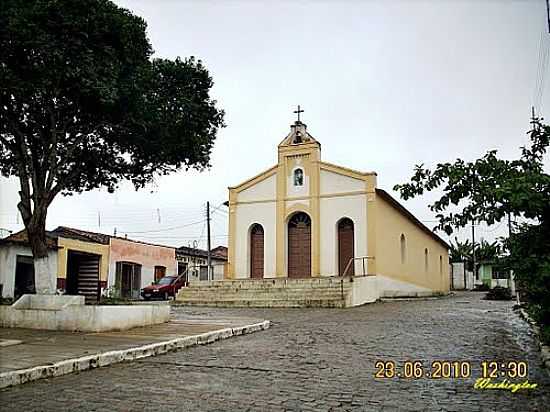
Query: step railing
[(353, 259)]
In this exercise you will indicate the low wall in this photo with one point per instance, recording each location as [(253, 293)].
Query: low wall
[(68, 313), (364, 289), (393, 288)]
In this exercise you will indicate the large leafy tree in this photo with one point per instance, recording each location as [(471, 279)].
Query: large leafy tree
[(83, 105), (489, 189)]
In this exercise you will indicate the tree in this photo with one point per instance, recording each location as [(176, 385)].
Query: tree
[(488, 252), (491, 189), (83, 105), (461, 251)]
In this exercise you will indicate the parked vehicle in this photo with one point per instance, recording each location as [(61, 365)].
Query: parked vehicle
[(164, 288)]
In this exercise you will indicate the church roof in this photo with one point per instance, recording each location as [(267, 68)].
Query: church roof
[(401, 209)]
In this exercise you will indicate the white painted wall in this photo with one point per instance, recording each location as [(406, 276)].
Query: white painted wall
[(364, 289), (336, 183), (457, 274), (263, 190), (335, 208), (245, 216), (8, 260)]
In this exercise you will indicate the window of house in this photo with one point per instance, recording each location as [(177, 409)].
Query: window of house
[(160, 272), (298, 177), (440, 264), (403, 243)]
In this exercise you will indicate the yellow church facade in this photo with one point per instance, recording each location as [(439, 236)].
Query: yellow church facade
[(305, 218)]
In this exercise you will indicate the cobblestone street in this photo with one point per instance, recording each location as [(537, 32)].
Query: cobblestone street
[(315, 359)]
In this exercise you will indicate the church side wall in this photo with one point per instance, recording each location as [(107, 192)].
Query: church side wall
[(397, 276)]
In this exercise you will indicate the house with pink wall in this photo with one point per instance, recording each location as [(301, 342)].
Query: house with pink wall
[(134, 265)]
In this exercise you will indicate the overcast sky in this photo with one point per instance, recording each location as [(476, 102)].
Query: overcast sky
[(385, 85)]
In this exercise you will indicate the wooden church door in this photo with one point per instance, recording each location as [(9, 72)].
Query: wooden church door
[(299, 246), (257, 252), (345, 246)]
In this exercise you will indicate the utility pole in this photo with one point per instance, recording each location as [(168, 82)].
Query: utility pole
[(208, 240), (473, 239), (474, 249), (511, 282)]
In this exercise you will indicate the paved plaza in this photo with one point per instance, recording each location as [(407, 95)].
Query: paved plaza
[(315, 360)]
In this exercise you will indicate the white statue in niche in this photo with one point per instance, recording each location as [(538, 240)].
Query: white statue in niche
[(298, 177)]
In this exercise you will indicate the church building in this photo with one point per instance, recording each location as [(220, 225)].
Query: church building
[(306, 218)]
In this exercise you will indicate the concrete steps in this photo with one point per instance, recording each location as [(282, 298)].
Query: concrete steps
[(268, 293)]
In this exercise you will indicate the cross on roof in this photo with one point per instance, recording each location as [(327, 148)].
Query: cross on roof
[(298, 112)]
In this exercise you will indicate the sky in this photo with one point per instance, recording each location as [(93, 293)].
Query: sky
[(385, 85)]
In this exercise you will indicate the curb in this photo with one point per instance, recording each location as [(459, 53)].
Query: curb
[(544, 350), (99, 360)]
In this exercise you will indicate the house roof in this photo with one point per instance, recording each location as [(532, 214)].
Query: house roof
[(21, 238), (401, 209), (86, 236), (78, 234), (220, 251), (189, 251)]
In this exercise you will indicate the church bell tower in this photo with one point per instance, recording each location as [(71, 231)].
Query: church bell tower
[(298, 189)]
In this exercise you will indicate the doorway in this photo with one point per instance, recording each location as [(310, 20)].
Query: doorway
[(83, 274), (345, 246), (257, 252), (299, 246), (24, 276)]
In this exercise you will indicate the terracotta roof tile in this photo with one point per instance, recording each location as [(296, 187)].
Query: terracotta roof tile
[(21, 238)]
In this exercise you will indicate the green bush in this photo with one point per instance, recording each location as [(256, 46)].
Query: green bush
[(499, 293), (545, 334), (482, 288)]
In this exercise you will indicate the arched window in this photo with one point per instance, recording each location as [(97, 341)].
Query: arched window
[(298, 177), (426, 260), (403, 248), (440, 264)]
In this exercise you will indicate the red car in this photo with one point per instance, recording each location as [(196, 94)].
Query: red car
[(164, 288)]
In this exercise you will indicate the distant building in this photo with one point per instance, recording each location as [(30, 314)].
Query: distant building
[(194, 262), (492, 274), (91, 264)]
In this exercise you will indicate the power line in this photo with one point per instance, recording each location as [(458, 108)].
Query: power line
[(167, 229)]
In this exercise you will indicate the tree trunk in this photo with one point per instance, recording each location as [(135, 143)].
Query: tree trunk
[(45, 280)]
